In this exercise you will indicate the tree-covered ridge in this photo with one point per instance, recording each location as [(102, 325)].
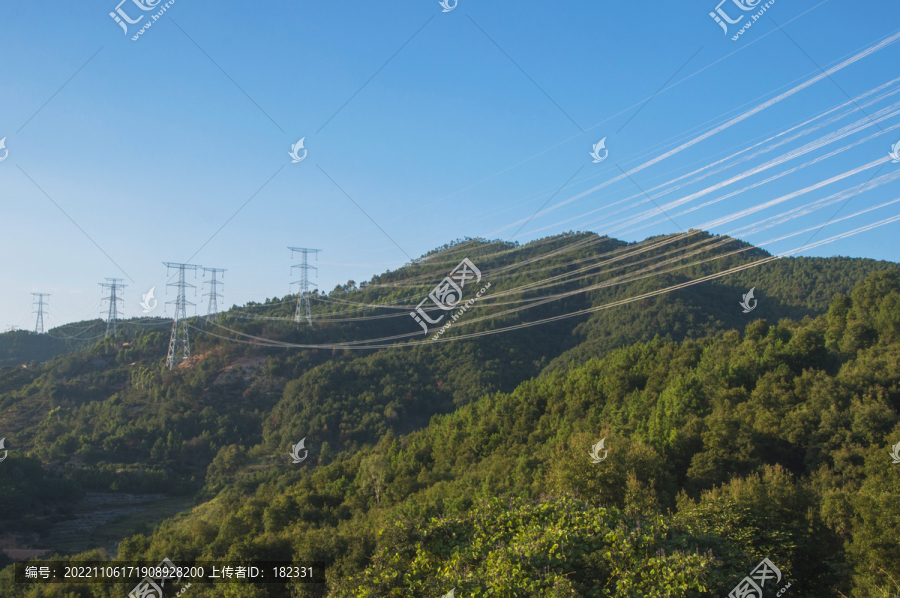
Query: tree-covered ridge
[(722, 452), (114, 407), (790, 287), (708, 433)]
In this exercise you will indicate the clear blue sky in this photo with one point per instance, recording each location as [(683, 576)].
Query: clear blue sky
[(150, 148)]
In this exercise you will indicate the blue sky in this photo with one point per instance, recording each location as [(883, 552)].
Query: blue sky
[(151, 146)]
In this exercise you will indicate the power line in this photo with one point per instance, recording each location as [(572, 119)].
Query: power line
[(113, 284), (639, 275), (179, 339), (213, 294), (39, 321), (303, 297)]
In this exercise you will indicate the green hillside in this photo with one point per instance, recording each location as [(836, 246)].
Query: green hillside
[(731, 437)]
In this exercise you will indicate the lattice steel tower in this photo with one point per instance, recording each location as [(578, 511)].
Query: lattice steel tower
[(113, 284), (303, 297), (213, 307), (39, 322), (179, 339)]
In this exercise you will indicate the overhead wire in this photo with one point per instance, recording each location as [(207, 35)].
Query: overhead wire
[(680, 81), (719, 164), (747, 114), (841, 134), (843, 104), (405, 307), (733, 121), (261, 341), (625, 278)]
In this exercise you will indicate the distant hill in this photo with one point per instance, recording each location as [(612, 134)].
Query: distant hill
[(20, 347)]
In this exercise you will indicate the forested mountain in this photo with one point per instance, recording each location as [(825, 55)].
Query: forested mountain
[(463, 462)]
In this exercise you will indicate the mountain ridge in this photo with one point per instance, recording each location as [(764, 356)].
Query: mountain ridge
[(111, 418)]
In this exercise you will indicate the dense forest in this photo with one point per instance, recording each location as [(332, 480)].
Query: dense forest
[(730, 438)]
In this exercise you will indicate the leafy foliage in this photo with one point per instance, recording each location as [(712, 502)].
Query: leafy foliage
[(729, 439)]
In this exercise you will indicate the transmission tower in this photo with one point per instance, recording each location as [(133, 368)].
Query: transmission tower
[(303, 297), (213, 307), (113, 284), (39, 322), (179, 339)]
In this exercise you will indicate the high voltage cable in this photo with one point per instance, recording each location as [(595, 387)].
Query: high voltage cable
[(544, 192), (765, 205), (565, 248), (403, 307), (836, 237), (633, 249), (516, 290), (361, 345), (733, 121), (793, 153), (805, 209), (358, 345), (271, 343), (76, 335), (646, 295), (747, 158), (623, 279), (846, 131), (617, 114), (541, 284), (843, 194), (531, 286), (463, 246), (538, 301), (708, 225), (758, 108)]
